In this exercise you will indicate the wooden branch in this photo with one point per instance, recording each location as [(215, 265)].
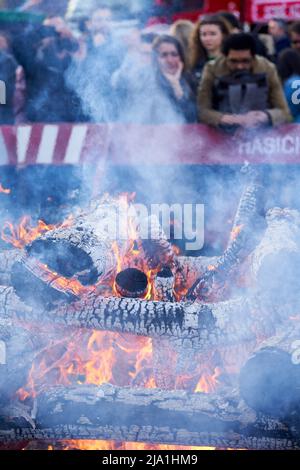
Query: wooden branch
[(215, 282), (151, 415)]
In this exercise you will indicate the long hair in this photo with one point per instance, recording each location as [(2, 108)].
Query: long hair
[(198, 52), (182, 30)]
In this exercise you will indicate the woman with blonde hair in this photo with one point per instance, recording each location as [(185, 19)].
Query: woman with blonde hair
[(206, 43), (182, 30)]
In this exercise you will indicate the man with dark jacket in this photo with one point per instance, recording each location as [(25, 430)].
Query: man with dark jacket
[(241, 89)]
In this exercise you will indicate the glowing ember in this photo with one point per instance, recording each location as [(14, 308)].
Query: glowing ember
[(235, 232), (211, 267), (61, 283)]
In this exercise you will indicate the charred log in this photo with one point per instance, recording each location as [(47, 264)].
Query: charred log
[(164, 285), (270, 380), (34, 286), (158, 250), (131, 283), (275, 264), (245, 234), (7, 260), (123, 414), (82, 250), (18, 347), (198, 325)]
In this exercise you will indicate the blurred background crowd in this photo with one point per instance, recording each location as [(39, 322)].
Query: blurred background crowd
[(81, 62)]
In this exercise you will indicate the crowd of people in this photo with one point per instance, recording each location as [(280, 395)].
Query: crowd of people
[(210, 72)]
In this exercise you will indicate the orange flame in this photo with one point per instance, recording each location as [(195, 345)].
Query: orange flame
[(98, 357), (208, 383), (110, 445), (23, 233)]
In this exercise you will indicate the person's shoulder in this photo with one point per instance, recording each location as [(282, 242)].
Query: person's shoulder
[(264, 65), (216, 66)]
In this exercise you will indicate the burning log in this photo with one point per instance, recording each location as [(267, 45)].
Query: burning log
[(275, 264), (84, 249), (33, 285), (124, 414), (164, 286), (18, 347), (245, 234), (164, 352), (131, 283), (158, 250), (201, 326), (270, 380)]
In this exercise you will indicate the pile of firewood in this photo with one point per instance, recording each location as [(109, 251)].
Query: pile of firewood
[(258, 409)]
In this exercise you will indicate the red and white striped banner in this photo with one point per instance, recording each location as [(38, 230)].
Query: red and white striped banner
[(265, 10), (97, 144)]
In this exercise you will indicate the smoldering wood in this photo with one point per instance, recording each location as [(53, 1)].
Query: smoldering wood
[(83, 249), (164, 353), (7, 260), (18, 348), (164, 286), (246, 232), (150, 415), (155, 245), (275, 263), (33, 285), (270, 379), (131, 283), (201, 326)]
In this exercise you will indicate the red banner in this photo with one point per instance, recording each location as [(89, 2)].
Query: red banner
[(99, 144), (264, 10)]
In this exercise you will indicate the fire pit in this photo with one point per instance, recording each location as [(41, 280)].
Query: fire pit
[(128, 340)]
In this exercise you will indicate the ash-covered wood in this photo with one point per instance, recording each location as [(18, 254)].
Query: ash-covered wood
[(123, 414), (84, 248), (165, 352), (270, 380), (275, 263), (201, 326), (7, 260), (34, 286), (18, 347), (164, 285), (131, 283), (246, 232), (158, 250)]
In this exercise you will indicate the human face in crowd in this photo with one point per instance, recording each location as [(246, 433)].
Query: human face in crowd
[(211, 37), (168, 58), (239, 61), (275, 29), (101, 21), (295, 40)]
